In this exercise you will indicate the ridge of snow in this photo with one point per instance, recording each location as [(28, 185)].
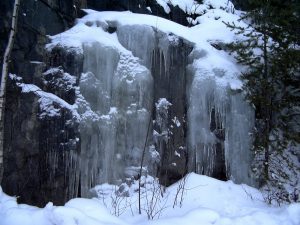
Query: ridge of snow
[(46, 99)]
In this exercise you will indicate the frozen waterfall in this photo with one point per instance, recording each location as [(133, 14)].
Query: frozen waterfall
[(204, 126), (119, 90)]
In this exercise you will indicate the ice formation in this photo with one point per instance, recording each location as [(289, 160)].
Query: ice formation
[(118, 90), (155, 77), (220, 126)]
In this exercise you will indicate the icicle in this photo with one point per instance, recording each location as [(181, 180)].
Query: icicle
[(139, 39)]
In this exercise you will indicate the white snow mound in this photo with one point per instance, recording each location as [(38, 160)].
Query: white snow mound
[(205, 201)]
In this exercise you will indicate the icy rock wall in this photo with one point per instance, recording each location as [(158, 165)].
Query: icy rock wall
[(193, 121), (165, 55), (146, 82), (118, 97), (220, 125)]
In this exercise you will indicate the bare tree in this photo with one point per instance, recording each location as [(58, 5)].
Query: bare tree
[(5, 66), (180, 192), (142, 162), (155, 200)]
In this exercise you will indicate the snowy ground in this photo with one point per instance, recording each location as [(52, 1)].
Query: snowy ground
[(200, 200)]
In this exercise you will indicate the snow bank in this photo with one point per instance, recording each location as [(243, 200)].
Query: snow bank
[(204, 201)]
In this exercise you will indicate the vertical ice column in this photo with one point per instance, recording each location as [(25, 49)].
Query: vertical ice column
[(239, 126), (100, 62), (132, 97), (97, 129), (117, 98)]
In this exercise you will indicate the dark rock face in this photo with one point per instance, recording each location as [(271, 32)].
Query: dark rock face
[(21, 159), (216, 128), (36, 151), (36, 20), (33, 142), (40, 149)]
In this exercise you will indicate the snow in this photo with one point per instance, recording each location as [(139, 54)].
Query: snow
[(176, 121), (149, 9), (210, 29), (177, 154), (36, 62), (162, 103), (200, 199), (220, 4), (193, 7)]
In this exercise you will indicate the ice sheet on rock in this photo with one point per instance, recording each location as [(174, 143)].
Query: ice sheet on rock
[(240, 120), (131, 26), (100, 63), (207, 100), (139, 39), (220, 120)]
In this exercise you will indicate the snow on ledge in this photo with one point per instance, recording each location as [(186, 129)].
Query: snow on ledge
[(95, 25), (46, 99)]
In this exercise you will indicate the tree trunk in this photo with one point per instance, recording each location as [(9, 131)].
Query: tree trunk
[(4, 76), (267, 96)]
